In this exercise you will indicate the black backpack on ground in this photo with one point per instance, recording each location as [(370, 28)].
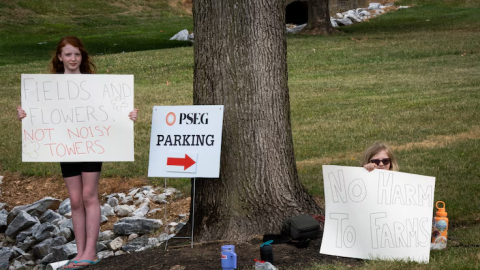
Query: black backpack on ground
[(297, 231)]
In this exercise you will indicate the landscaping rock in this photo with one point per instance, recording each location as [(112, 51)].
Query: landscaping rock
[(3, 223), (29, 263), (103, 219), (49, 216), (364, 13), (27, 243), (106, 235), (105, 254), (6, 254), (45, 230), (153, 211), (107, 210), (19, 251), (160, 198), (65, 207), (140, 243), (22, 221), (352, 15), (129, 225), (139, 201), (57, 222), (123, 210), (29, 232), (127, 199), (35, 209), (113, 202), (44, 248), (170, 191), (164, 237), (64, 252), (133, 191), (67, 223), (120, 252), (110, 195), (132, 236), (47, 259), (141, 211), (116, 244), (374, 6), (24, 256), (343, 22), (17, 265), (67, 233), (100, 247)]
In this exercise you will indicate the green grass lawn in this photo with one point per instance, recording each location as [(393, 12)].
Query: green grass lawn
[(409, 78)]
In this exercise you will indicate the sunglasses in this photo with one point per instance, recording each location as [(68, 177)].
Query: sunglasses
[(385, 161)]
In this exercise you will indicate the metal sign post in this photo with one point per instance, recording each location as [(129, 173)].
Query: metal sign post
[(193, 216)]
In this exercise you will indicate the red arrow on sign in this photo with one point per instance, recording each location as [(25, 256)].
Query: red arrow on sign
[(186, 162)]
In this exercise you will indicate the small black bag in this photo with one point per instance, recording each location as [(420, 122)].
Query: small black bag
[(303, 227), (297, 231)]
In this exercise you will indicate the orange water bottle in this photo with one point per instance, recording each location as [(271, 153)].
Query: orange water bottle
[(440, 227)]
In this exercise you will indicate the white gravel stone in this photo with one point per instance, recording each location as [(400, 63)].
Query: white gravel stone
[(123, 210), (105, 254), (116, 244)]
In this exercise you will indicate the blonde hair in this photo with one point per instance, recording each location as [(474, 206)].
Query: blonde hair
[(376, 148)]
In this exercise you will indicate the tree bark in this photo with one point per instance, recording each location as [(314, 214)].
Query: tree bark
[(319, 19), (241, 62)]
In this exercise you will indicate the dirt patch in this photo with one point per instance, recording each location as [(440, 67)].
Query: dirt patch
[(185, 5), (20, 190), (441, 141), (207, 256), (430, 143)]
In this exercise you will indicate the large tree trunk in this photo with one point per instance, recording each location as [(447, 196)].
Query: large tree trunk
[(319, 19), (240, 62)]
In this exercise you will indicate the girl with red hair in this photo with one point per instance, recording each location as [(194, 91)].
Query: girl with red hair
[(81, 178)]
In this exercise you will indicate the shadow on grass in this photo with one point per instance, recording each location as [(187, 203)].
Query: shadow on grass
[(30, 51)]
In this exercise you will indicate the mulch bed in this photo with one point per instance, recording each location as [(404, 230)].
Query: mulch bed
[(207, 256)]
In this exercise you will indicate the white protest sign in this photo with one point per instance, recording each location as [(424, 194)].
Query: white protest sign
[(186, 141), (77, 117), (377, 215)]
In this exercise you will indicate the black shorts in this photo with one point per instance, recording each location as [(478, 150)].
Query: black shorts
[(70, 169)]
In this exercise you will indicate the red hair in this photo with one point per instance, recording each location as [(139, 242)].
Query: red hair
[(86, 67)]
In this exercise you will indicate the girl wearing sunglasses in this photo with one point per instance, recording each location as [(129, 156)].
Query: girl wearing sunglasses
[(379, 156)]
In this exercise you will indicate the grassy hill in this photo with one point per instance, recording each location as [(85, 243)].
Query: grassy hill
[(31, 29)]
